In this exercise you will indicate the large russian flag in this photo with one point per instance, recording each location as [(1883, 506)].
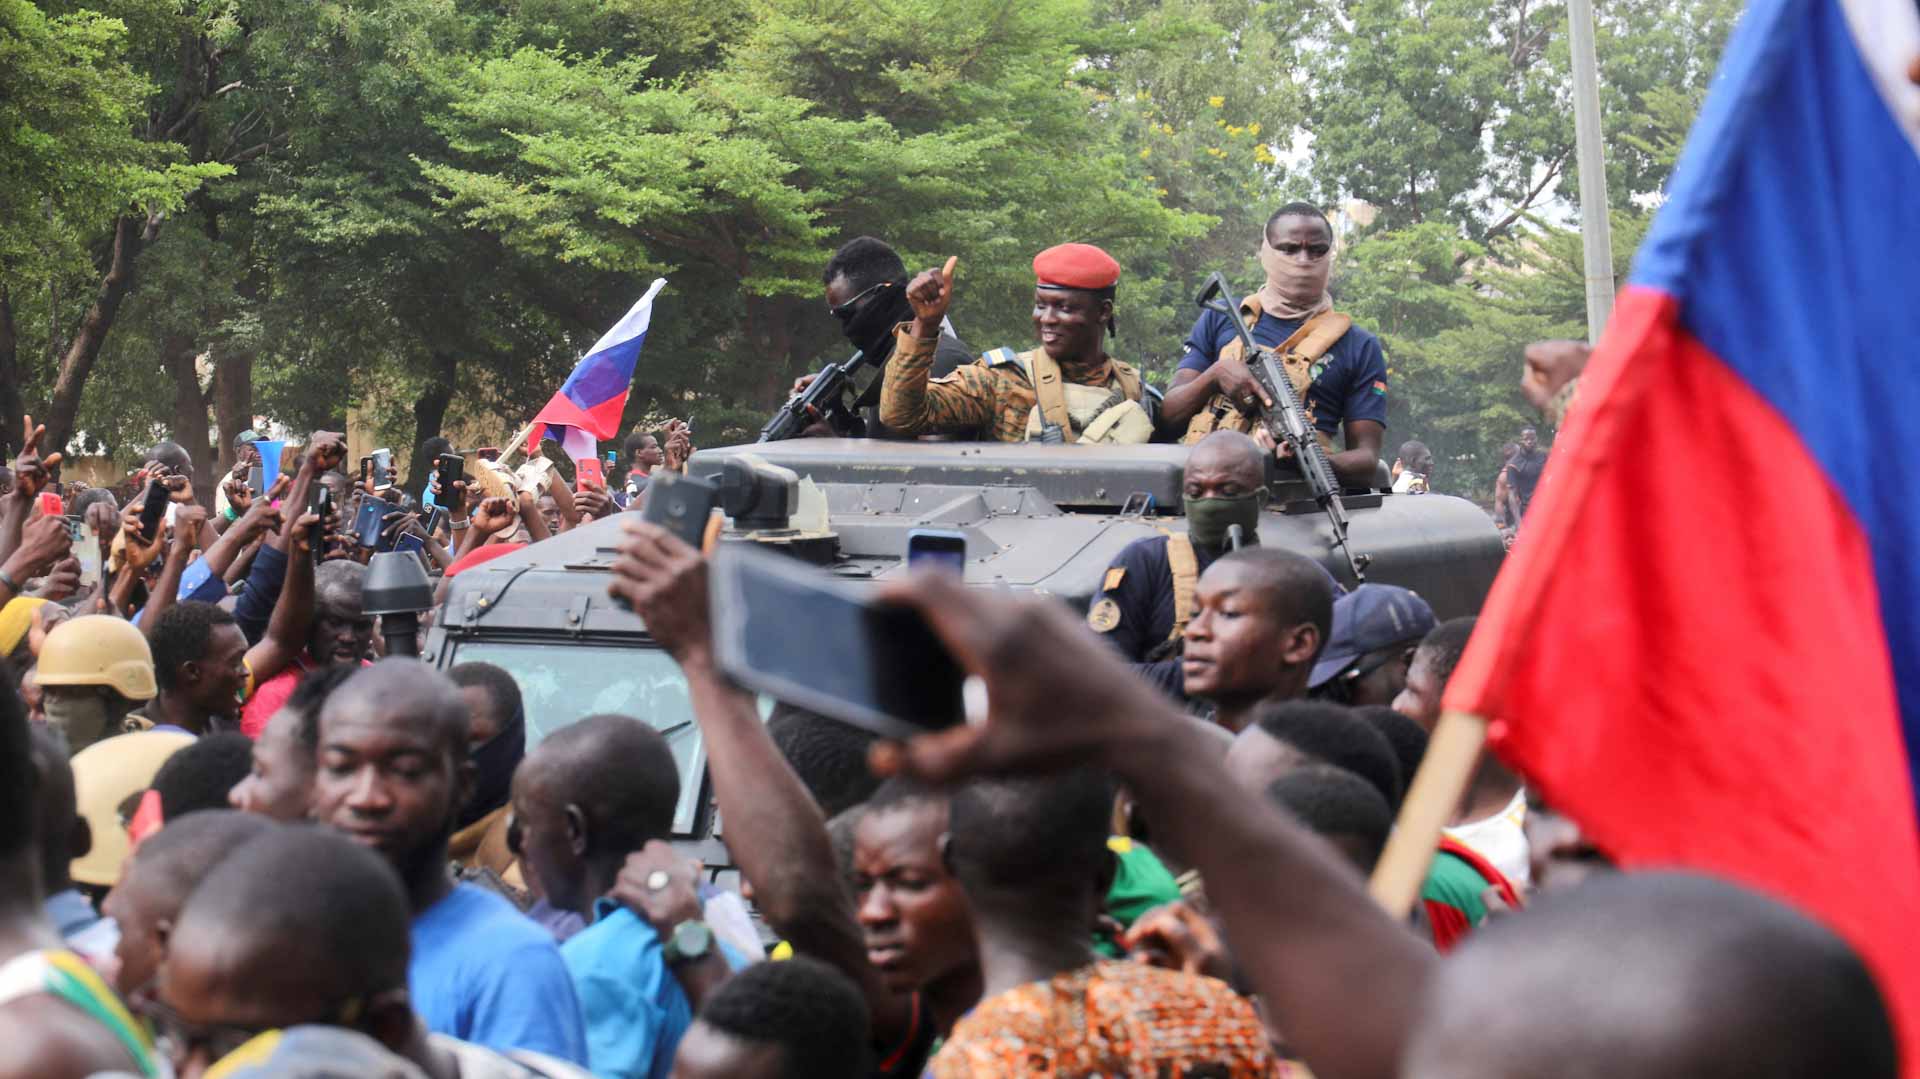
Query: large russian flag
[(1706, 646), (589, 403)]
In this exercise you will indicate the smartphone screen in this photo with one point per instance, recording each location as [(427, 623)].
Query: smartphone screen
[(255, 476), (86, 548), (681, 505), (51, 505), (791, 631), (939, 548), (382, 469)]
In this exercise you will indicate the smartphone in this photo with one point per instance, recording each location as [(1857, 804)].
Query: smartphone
[(51, 505), (256, 476), (86, 548), (413, 545), (487, 453), (587, 471), (320, 502), (448, 468), (382, 469), (153, 508), (791, 631), (681, 505), (370, 520), (941, 548), (366, 470), (75, 526), (436, 517)]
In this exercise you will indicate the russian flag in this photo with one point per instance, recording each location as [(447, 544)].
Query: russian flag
[(1706, 646), (588, 405)]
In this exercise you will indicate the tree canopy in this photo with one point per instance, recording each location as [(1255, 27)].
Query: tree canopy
[(423, 208)]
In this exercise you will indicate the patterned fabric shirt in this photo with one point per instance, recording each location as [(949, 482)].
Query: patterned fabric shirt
[(995, 400), (1111, 1018)]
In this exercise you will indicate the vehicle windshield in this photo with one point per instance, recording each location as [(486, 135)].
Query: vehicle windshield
[(562, 684)]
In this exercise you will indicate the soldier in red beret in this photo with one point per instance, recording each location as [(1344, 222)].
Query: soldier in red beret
[(1067, 390)]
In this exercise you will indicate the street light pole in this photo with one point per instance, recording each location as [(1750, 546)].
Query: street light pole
[(1596, 235)]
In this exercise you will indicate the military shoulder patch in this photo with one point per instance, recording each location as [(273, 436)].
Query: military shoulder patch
[(1114, 577), (1380, 388), (1104, 616)]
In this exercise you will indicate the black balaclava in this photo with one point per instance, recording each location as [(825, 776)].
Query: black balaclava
[(494, 761)]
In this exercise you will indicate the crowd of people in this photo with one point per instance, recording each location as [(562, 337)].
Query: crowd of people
[(247, 835)]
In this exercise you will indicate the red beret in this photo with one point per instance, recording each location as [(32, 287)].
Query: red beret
[(1080, 266)]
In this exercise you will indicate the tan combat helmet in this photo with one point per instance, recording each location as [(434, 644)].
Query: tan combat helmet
[(98, 650)]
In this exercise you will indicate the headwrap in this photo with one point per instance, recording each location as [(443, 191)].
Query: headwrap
[(1294, 289), (494, 761), (870, 326)]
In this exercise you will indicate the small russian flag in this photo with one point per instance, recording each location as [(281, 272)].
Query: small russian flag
[(588, 405)]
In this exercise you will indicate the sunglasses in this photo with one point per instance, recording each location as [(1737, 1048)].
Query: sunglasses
[(844, 311), (1316, 252)]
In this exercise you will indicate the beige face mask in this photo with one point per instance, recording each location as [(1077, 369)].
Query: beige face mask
[(1295, 288)]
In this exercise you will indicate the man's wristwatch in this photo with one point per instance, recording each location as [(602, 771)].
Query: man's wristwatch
[(690, 940)]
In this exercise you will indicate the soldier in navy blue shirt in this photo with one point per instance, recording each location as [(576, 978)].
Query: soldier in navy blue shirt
[(1348, 394), (1138, 609)]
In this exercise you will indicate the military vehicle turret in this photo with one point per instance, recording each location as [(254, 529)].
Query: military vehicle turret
[(1042, 519)]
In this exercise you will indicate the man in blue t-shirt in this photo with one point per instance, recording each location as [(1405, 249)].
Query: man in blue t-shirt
[(392, 772), (594, 793), (1348, 392)]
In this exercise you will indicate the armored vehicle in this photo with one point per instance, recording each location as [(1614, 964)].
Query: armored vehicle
[(1037, 518)]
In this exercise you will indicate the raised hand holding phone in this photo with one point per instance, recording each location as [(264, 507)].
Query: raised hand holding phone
[(797, 634)]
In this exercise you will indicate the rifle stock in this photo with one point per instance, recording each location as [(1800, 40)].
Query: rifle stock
[(1286, 420)]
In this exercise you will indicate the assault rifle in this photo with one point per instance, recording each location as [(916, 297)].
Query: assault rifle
[(1286, 420), (825, 398)]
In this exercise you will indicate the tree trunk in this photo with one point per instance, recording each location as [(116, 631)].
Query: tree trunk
[(232, 399), (177, 357), (429, 415), (130, 236), (10, 406)]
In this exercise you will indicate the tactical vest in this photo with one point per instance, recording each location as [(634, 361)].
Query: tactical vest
[(1185, 567), (1089, 414), (1297, 353)]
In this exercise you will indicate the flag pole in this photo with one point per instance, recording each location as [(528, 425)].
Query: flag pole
[(519, 443), (1445, 771)]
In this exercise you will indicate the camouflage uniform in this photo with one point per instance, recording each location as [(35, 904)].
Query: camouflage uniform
[(996, 399)]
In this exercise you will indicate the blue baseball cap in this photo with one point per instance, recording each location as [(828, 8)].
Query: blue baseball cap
[(1367, 619)]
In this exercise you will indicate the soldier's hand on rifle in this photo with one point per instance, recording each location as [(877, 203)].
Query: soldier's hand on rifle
[(1235, 381), (1266, 441), (931, 294), (800, 385)]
